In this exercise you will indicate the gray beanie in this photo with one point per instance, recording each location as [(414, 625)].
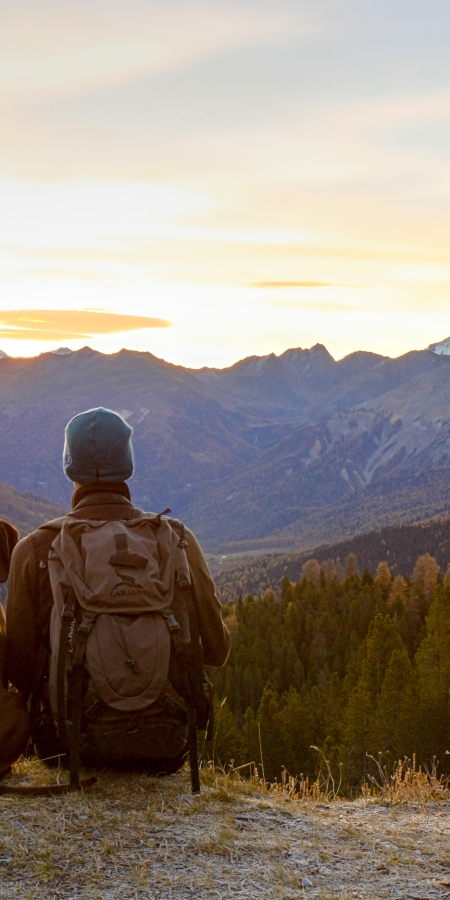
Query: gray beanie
[(98, 447)]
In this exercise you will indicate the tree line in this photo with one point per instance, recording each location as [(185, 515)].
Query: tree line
[(353, 664), (400, 545)]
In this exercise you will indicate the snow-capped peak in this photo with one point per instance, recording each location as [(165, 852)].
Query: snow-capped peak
[(442, 348), (62, 351), (3, 355)]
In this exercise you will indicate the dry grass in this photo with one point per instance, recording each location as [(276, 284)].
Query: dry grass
[(408, 783), (143, 838)]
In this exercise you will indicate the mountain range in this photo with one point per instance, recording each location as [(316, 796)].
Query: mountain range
[(298, 448)]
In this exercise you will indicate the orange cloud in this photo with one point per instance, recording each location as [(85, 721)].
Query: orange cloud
[(66, 324)]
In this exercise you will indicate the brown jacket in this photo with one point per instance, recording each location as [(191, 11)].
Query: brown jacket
[(30, 598)]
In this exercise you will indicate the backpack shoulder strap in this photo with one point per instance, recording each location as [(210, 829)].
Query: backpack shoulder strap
[(179, 529), (56, 524)]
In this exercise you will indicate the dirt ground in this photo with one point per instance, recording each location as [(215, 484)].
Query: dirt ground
[(132, 836)]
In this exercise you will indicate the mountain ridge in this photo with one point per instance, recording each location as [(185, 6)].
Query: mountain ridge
[(270, 445)]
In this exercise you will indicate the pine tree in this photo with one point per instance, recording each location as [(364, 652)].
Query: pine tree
[(394, 725), (301, 727), (227, 744), (382, 639), (398, 593), (383, 576), (352, 567), (433, 665), (271, 735), (335, 663), (356, 731), (311, 571), (425, 579), (374, 657)]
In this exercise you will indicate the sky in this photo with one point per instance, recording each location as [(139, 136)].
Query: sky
[(211, 180)]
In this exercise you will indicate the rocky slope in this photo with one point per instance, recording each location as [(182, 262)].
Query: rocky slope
[(443, 347), (385, 456)]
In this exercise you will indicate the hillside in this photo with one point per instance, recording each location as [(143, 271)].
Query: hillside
[(182, 435), (383, 448), (26, 511), (399, 545), (136, 838), (393, 501), (296, 445), (358, 667)]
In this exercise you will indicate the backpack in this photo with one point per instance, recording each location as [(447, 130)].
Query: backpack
[(126, 677)]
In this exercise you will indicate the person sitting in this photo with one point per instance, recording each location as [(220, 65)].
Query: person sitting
[(154, 647)]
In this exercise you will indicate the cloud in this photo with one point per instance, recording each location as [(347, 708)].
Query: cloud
[(66, 324), (300, 284), (75, 48)]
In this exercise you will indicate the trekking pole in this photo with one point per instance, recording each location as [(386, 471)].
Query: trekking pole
[(193, 749), (182, 655), (82, 634), (74, 765)]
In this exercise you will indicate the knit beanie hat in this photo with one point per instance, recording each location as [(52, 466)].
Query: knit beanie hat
[(98, 447)]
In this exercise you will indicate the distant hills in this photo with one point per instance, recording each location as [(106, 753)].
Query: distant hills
[(362, 463), (399, 546), (296, 447)]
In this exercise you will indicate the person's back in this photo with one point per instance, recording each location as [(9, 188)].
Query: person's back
[(98, 458)]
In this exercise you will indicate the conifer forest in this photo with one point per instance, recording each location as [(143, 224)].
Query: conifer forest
[(341, 666)]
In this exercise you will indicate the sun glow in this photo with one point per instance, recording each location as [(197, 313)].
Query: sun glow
[(171, 165)]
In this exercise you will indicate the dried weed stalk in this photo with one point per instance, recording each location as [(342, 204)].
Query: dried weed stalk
[(407, 783)]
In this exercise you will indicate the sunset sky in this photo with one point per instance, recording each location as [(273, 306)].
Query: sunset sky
[(242, 177)]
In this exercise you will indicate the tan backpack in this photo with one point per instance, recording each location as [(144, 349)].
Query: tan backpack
[(123, 620)]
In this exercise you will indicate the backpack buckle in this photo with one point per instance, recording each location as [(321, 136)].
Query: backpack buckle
[(68, 611), (86, 625), (183, 579), (82, 636), (172, 623)]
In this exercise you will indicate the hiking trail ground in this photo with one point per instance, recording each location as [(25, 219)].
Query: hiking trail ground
[(141, 838)]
